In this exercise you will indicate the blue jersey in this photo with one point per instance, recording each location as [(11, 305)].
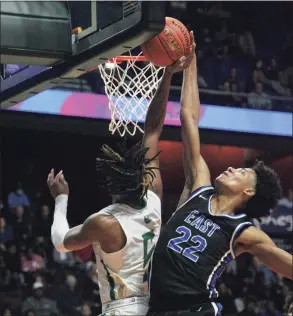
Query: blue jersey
[(193, 250)]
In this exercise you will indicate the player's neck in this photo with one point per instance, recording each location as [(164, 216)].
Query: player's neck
[(222, 204)]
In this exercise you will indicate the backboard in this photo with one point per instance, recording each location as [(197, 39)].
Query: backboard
[(109, 28)]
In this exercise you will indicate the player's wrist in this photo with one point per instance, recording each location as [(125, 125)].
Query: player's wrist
[(61, 198), (168, 72)]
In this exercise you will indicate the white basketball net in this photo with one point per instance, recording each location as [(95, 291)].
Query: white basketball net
[(130, 86)]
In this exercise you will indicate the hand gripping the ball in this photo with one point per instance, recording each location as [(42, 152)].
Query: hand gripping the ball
[(57, 185), (185, 61)]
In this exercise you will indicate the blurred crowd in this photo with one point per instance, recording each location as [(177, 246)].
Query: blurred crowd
[(35, 280), (241, 54), (244, 59)]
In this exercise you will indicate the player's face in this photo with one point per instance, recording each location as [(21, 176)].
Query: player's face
[(237, 180)]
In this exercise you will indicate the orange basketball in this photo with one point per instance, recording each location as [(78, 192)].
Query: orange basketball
[(171, 44)]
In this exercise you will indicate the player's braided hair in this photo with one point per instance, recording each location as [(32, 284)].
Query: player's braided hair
[(127, 172), (268, 192)]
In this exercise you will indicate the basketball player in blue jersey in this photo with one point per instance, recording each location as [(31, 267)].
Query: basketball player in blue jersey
[(124, 234), (211, 225)]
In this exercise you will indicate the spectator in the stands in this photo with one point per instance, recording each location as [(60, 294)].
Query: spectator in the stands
[(272, 72), (225, 99), (273, 78), (289, 303), (235, 79), (247, 44), (222, 35), (250, 308), (6, 312), (69, 297), (31, 262), (233, 76), (216, 11), (20, 224), (18, 197), (271, 310), (237, 100), (259, 99), (8, 283), (31, 313), (258, 73), (268, 275), (6, 232), (42, 305), (226, 299), (12, 259), (207, 42), (43, 222), (64, 259), (83, 257), (85, 310)]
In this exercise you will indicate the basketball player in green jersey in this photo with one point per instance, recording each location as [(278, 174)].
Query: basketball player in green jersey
[(124, 234), (212, 224)]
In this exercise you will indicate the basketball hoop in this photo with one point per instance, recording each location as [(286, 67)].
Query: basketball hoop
[(130, 86)]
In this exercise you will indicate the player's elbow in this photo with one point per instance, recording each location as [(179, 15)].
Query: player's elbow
[(59, 248), (58, 240)]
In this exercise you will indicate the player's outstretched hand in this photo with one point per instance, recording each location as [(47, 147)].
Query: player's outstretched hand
[(57, 185), (185, 61)]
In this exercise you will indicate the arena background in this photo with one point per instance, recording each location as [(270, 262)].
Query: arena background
[(65, 127)]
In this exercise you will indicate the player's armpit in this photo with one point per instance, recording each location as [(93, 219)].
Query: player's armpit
[(259, 244), (184, 195)]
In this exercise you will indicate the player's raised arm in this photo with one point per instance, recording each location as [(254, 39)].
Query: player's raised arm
[(155, 119), (196, 171), (259, 244), (65, 239)]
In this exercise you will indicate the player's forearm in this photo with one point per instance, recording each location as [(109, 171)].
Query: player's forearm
[(189, 115), (190, 104), (60, 225), (157, 110), (277, 260)]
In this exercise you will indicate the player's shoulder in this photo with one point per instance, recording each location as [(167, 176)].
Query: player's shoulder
[(152, 197), (102, 223), (202, 193)]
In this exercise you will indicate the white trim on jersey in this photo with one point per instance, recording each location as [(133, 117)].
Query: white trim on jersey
[(240, 226), (216, 308), (225, 215), (220, 262), (194, 194)]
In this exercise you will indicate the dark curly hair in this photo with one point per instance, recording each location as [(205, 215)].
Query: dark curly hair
[(268, 192), (127, 172)]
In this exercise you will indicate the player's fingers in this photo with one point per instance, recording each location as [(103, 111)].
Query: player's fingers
[(52, 172), (50, 180), (62, 179), (191, 38), (181, 60), (57, 178)]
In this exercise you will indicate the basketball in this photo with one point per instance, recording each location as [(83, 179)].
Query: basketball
[(170, 45)]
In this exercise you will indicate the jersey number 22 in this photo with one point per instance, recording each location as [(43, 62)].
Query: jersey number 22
[(188, 252)]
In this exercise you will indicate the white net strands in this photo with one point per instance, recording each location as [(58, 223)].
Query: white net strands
[(130, 86)]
